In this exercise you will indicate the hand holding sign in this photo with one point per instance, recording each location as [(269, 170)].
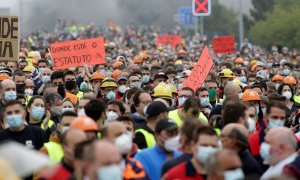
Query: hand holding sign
[(74, 53), (224, 45), (199, 73)]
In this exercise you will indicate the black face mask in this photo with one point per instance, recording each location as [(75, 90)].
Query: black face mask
[(20, 88), (70, 85)]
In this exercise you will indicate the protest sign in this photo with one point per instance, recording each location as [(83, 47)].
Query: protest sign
[(9, 38), (200, 71), (224, 44), (74, 53), (165, 40)]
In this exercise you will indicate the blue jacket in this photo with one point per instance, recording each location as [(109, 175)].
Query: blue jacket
[(152, 159)]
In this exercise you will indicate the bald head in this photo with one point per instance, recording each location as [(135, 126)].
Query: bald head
[(235, 137), (112, 130), (7, 83), (106, 152), (282, 135), (232, 89), (72, 137)]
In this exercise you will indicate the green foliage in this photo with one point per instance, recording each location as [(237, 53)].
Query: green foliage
[(261, 8), (280, 27), (222, 21)]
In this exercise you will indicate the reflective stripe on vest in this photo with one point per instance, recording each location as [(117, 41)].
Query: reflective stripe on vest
[(150, 139), (55, 151)]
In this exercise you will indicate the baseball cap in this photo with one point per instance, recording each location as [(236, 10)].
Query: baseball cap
[(121, 78), (161, 74), (6, 70), (155, 108), (165, 124)]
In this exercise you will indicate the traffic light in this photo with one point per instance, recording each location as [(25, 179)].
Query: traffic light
[(201, 7)]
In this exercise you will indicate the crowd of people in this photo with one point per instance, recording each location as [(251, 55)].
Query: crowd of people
[(133, 117)]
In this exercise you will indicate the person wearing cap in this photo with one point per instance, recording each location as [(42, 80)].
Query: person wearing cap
[(144, 133), (225, 76), (277, 80), (158, 78), (262, 75), (122, 87), (163, 91), (108, 89), (64, 170), (152, 159), (70, 84), (204, 144), (87, 125), (96, 79), (235, 137)]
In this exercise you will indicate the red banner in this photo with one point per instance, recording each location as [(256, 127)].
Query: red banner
[(165, 40), (199, 73), (224, 45), (74, 53)]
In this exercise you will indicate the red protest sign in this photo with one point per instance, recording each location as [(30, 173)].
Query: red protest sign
[(173, 40), (224, 44), (200, 71), (73, 53)]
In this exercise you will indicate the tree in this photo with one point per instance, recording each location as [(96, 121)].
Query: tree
[(222, 21), (280, 27), (261, 9)]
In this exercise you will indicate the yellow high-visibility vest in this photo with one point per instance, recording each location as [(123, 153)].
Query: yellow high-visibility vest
[(150, 139), (55, 151), (175, 117)]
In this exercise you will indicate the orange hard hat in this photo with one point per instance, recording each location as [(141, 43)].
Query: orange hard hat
[(250, 95), (290, 80), (116, 74), (239, 61), (277, 77), (144, 55), (181, 52), (84, 123), (117, 64), (138, 59), (97, 76)]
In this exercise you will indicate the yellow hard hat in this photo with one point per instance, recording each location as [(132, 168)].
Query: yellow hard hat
[(178, 62), (237, 82), (252, 62), (226, 73), (162, 90), (29, 68), (173, 88), (108, 82)]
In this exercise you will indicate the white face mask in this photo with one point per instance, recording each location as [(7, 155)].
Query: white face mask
[(110, 172), (240, 95), (122, 89), (236, 174), (81, 112), (28, 92), (204, 152), (287, 94), (124, 143), (172, 144), (111, 116), (251, 125)]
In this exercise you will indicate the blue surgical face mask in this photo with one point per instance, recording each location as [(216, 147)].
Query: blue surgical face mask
[(265, 152), (110, 172), (286, 72), (204, 102), (181, 100), (10, 95), (243, 79), (14, 121), (37, 113), (274, 123), (146, 78), (204, 152), (46, 79), (122, 89), (84, 86), (110, 95), (234, 174), (269, 65)]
